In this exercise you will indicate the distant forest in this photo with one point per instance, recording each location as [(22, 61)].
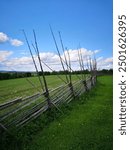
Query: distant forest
[(14, 75)]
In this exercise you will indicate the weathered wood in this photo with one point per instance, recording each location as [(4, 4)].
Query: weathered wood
[(10, 103), (31, 107), (43, 75), (23, 103)]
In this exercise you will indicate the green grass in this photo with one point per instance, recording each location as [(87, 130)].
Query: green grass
[(85, 125), (13, 88)]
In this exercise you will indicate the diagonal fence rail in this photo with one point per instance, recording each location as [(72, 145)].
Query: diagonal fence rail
[(21, 111)]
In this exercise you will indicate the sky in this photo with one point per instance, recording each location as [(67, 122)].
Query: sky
[(87, 23)]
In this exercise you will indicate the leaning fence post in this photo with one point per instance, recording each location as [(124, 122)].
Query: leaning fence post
[(91, 81), (47, 97), (43, 75), (96, 78), (85, 85), (71, 89)]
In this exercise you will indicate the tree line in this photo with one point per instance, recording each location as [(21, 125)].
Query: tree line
[(14, 75)]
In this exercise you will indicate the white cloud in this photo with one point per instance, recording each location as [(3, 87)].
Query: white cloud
[(97, 51), (99, 59), (49, 57), (85, 53), (16, 42), (4, 55), (52, 60), (109, 60), (105, 63), (19, 61), (24, 53), (3, 37)]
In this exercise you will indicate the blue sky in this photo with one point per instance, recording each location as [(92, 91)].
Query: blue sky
[(88, 22)]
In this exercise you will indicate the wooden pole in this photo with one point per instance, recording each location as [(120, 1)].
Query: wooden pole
[(91, 69), (44, 79), (64, 53), (33, 60), (62, 47), (58, 53), (71, 69), (80, 63), (69, 65)]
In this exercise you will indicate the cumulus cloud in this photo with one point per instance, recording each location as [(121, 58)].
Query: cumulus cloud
[(99, 59), (3, 37), (16, 42), (25, 63), (19, 61), (49, 57), (97, 51), (52, 60), (85, 53), (24, 53), (109, 60), (105, 63), (4, 55)]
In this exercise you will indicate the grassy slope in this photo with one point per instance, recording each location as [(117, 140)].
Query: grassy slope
[(13, 88), (87, 126)]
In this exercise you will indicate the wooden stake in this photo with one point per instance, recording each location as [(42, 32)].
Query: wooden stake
[(58, 53), (44, 79), (33, 60)]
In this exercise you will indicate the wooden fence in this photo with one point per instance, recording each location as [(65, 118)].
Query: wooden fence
[(21, 111)]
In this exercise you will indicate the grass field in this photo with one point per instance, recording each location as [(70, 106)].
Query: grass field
[(85, 125), (13, 88)]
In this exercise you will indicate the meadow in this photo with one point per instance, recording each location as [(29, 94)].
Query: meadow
[(20, 87), (84, 124)]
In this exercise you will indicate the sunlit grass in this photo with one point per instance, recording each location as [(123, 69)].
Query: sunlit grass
[(13, 88), (84, 124)]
